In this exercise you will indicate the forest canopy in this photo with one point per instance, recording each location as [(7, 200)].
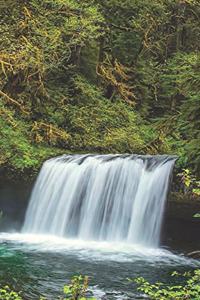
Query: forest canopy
[(99, 76)]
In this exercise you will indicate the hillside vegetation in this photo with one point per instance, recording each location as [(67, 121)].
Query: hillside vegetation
[(99, 76)]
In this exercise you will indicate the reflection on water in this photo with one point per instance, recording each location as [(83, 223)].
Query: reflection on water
[(41, 265)]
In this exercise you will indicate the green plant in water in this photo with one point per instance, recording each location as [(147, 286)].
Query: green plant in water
[(190, 289), (77, 289)]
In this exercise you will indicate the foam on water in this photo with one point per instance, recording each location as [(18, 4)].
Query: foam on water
[(97, 251)]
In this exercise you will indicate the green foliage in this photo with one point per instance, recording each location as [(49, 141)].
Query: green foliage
[(113, 126), (17, 151), (7, 294), (91, 75), (189, 182), (180, 83), (77, 289), (188, 288)]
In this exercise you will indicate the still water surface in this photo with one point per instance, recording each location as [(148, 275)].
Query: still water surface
[(41, 265)]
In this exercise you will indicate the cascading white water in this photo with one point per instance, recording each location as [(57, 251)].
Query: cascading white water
[(101, 197)]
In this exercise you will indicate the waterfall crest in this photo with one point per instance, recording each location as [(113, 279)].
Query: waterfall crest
[(101, 197)]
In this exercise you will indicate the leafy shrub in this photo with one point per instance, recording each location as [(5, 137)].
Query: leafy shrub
[(77, 289), (189, 289), (7, 294)]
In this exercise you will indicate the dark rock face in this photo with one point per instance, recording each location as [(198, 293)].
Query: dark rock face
[(180, 228), (180, 234), (14, 198), (183, 206)]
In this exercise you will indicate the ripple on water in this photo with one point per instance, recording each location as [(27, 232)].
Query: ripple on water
[(41, 265)]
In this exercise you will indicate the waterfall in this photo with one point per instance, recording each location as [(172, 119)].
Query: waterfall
[(101, 197)]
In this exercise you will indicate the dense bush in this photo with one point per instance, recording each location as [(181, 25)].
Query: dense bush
[(96, 76)]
